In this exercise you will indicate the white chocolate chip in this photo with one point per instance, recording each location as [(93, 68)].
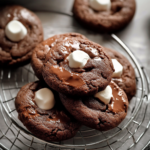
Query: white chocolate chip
[(78, 59), (44, 99), (118, 69), (105, 95), (15, 31), (100, 5)]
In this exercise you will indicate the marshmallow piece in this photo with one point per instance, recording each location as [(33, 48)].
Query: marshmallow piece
[(105, 95), (118, 69), (44, 99), (78, 59), (100, 5), (15, 31)]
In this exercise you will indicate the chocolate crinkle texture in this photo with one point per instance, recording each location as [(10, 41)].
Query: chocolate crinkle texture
[(94, 77), (50, 125), (93, 113), (127, 82), (119, 16), (18, 53), (39, 53)]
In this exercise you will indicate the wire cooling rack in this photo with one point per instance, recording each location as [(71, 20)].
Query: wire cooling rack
[(13, 135)]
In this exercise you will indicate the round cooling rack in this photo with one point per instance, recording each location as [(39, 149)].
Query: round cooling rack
[(13, 135)]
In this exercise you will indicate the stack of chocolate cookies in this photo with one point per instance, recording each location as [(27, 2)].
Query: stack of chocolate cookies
[(80, 83)]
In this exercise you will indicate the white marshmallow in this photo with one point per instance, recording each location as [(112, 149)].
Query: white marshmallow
[(78, 59), (15, 31), (118, 69), (100, 5), (105, 95), (44, 99)]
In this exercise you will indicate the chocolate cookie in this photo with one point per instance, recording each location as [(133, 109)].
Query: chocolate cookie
[(93, 113), (119, 16), (95, 75), (51, 125), (127, 82), (17, 53), (39, 53)]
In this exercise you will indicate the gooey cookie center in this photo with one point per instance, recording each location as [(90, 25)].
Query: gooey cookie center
[(113, 97), (118, 102), (15, 31), (68, 78), (76, 59)]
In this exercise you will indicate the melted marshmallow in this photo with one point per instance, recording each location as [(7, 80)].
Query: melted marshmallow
[(100, 5), (78, 59), (15, 31), (44, 99), (105, 95), (118, 69)]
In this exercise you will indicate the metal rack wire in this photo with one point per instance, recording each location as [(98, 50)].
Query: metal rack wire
[(13, 135)]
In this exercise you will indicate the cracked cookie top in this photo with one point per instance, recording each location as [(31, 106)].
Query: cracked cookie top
[(92, 112), (55, 124), (39, 53), (17, 53), (93, 77)]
